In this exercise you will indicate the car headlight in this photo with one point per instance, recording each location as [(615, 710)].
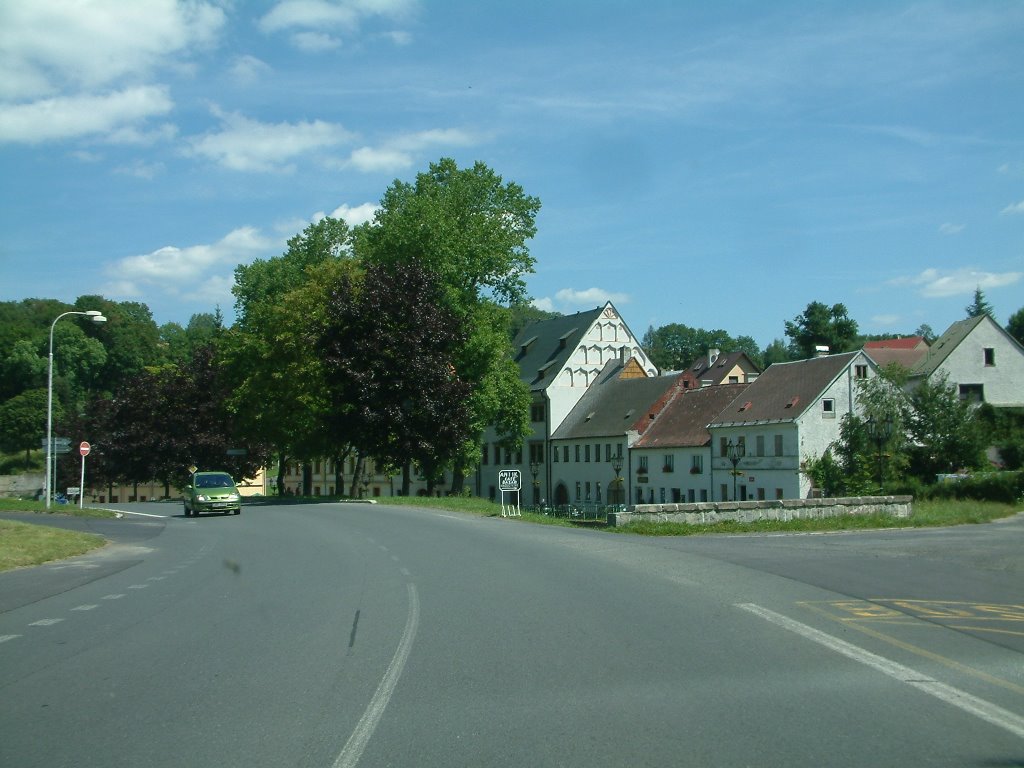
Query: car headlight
[(202, 497), (233, 497)]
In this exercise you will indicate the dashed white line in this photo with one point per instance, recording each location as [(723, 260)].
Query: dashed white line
[(5, 638), (45, 622), (87, 607), (137, 586), (980, 708), (113, 597)]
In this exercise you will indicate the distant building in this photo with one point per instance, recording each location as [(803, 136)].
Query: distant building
[(905, 351)]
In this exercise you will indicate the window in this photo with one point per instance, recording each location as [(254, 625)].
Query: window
[(642, 468), (519, 456), (778, 445), (607, 452), (537, 413), (860, 371), (703, 494), (734, 379), (691, 495), (677, 495), (661, 495), (697, 464), (508, 456), (577, 454), (587, 497), (554, 453), (485, 454), (536, 453), (598, 497), (586, 452), (760, 494), (972, 393), (990, 356), (579, 490), (723, 446), (759, 446), (670, 463), (565, 454), (778, 493), (828, 408)]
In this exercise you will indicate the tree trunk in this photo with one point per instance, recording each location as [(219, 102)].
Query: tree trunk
[(281, 461), (458, 481), (406, 478), (307, 479)]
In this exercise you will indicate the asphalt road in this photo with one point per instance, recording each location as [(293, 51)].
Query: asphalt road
[(342, 635)]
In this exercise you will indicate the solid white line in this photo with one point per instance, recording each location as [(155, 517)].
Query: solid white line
[(141, 514), (5, 638), (353, 749), (971, 704)]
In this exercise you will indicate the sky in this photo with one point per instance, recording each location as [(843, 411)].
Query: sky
[(719, 165)]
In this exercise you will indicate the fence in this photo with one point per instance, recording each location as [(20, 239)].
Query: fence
[(578, 513)]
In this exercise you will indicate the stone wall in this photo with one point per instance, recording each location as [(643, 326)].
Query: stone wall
[(753, 511), (24, 486)]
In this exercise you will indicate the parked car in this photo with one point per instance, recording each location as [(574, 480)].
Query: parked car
[(212, 492)]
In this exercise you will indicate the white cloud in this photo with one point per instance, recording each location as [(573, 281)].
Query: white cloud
[(141, 170), (243, 144), (248, 69), (545, 304), (951, 229), (1014, 208), (398, 153), (360, 214), (315, 42), (113, 114), (936, 284), (48, 45), (590, 297), (311, 22), (196, 271)]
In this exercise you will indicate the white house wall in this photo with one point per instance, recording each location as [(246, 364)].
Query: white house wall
[(1003, 382)]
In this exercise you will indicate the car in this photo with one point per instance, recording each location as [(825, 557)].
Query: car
[(211, 492)]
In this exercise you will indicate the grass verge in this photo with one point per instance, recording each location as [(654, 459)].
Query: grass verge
[(925, 514), (24, 544), (39, 508)]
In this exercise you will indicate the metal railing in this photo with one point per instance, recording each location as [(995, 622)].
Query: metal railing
[(581, 512)]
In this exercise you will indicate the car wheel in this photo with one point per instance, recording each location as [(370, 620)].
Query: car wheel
[(238, 511)]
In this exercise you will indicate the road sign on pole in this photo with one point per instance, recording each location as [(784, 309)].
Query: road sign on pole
[(84, 448)]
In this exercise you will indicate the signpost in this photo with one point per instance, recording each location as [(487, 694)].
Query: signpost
[(83, 448), (510, 481)]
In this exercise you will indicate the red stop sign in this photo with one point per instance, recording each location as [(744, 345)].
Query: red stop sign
[(84, 448)]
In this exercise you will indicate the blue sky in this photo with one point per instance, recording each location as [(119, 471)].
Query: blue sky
[(719, 165)]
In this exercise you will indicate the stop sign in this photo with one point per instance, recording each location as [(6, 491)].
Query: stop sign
[(84, 448)]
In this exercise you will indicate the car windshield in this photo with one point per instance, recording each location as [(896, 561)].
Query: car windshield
[(214, 481)]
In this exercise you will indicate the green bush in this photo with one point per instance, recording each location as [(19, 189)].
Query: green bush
[(1002, 487)]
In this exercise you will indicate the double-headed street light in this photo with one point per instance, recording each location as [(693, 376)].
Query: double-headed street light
[(97, 317), (879, 432), (734, 452)]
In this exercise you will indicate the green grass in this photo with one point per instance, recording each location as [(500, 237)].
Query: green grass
[(23, 544), (924, 514), (39, 507)]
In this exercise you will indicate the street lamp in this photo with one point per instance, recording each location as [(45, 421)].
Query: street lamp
[(97, 317), (535, 470), (616, 462), (734, 452), (879, 432)]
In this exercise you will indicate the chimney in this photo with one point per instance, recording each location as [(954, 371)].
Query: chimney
[(821, 350)]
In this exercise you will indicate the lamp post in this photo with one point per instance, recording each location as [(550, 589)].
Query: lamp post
[(97, 317), (616, 461), (734, 452), (535, 470), (879, 432)]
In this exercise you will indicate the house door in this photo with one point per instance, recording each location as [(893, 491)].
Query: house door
[(561, 495)]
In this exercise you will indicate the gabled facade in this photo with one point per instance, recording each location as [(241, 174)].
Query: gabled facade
[(671, 461), (558, 360), (980, 358), (600, 429), (906, 351), (792, 412), (715, 368)]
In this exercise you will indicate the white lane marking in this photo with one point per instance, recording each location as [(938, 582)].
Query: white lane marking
[(45, 622), (141, 514), (353, 749), (985, 710), (156, 578), (112, 597), (5, 638), (137, 586), (84, 607)]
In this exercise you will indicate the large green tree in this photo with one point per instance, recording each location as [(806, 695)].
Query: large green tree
[(979, 306), (470, 229), (23, 422), (675, 346), (1015, 326), (822, 325), (945, 433)]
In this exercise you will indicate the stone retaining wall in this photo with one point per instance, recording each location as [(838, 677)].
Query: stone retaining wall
[(23, 486), (752, 511)]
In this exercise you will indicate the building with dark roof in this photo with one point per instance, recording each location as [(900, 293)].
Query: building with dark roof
[(715, 368)]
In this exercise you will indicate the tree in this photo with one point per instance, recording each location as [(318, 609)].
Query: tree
[(23, 368), (821, 325), (943, 429), (130, 338), (925, 331), (23, 422), (776, 352), (271, 353), (675, 346), (979, 306), (390, 353), (469, 229), (1015, 327)]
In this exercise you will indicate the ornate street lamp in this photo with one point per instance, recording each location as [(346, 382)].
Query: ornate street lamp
[(97, 317), (734, 452), (535, 470), (879, 432), (616, 462)]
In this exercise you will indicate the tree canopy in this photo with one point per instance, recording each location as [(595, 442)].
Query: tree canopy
[(822, 325)]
